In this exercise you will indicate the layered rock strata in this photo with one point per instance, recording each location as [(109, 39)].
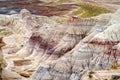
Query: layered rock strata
[(48, 50)]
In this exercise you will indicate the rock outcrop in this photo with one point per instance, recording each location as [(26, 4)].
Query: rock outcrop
[(90, 53)]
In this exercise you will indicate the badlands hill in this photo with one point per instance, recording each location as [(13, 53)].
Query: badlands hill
[(60, 48)]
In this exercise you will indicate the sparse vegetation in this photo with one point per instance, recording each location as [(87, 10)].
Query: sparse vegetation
[(115, 77), (89, 10), (108, 68), (90, 74), (65, 1), (114, 66)]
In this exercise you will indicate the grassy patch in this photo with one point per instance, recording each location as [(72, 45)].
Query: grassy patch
[(89, 10), (66, 1)]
